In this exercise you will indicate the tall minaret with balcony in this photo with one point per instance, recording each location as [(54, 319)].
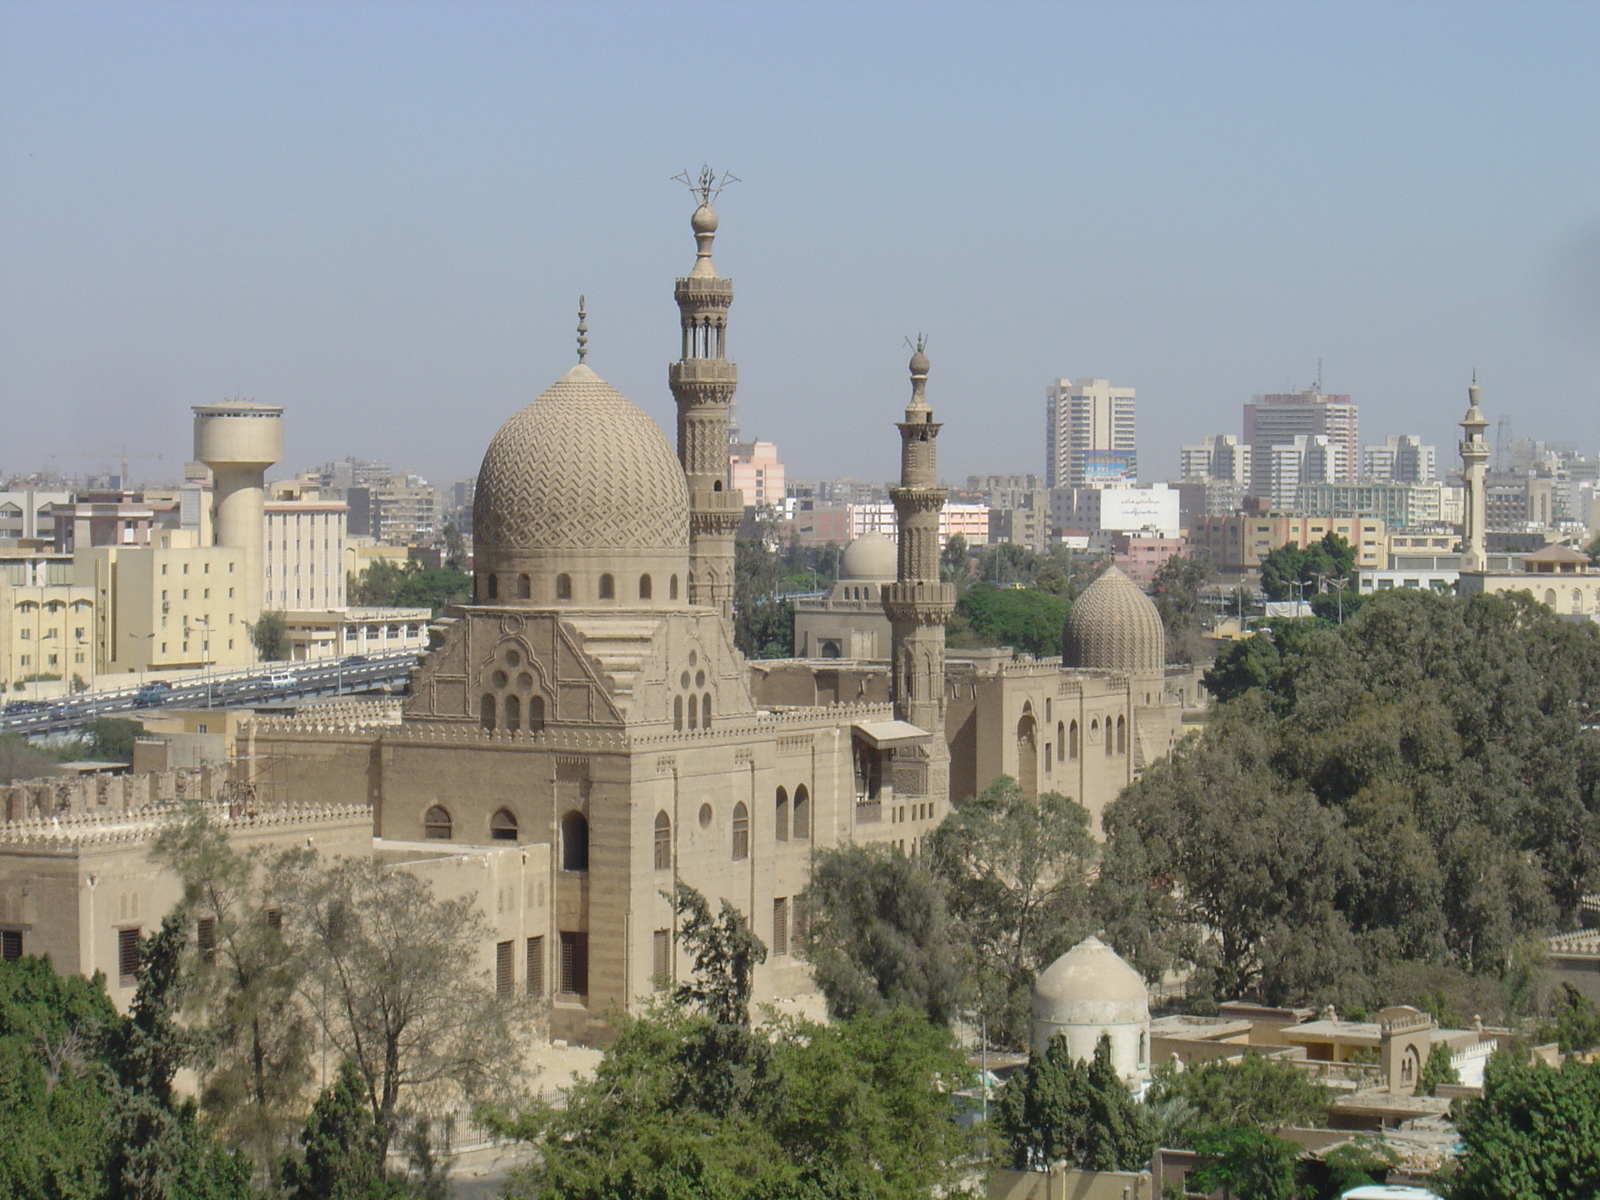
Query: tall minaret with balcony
[(1474, 465), (703, 383), (917, 603)]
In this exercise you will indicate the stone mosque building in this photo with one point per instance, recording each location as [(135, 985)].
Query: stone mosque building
[(589, 703)]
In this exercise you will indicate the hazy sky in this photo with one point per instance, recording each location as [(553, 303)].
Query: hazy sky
[(380, 216)]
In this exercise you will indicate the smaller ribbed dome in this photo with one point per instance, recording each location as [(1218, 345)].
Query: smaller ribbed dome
[(1113, 626), (870, 556), (1089, 975)]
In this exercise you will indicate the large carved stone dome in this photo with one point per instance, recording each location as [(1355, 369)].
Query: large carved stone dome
[(580, 492), (870, 556), (1113, 626), (583, 468)]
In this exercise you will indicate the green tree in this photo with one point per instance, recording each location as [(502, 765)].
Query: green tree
[(881, 935), (1252, 662), (110, 739), (18, 760), (455, 548), (1245, 1164), (1436, 1070), (1016, 869), (955, 561), (794, 1111), (270, 636), (1252, 1092), (391, 974), (433, 588), (252, 1034), (1060, 1108), (1028, 620), (341, 1147), (378, 584), (763, 622), (1291, 573), (1533, 1133), (1177, 589), (1574, 1021)]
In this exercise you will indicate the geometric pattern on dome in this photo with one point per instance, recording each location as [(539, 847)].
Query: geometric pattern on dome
[(581, 467), (1114, 626)]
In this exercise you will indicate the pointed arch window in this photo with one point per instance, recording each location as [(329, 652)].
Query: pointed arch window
[(608, 587), (563, 586), (524, 587), (1122, 735), (705, 711), (1061, 741), (535, 713), (1072, 740), (486, 711), (802, 814), (741, 832), (436, 823), (503, 826), (663, 842), (646, 588), (513, 709), (677, 713), (780, 828), (672, 588)]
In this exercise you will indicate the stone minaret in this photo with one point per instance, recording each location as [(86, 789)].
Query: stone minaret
[(703, 382), (1474, 464), (917, 603)]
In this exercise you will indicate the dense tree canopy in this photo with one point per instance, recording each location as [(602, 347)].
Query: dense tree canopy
[(881, 935), (1178, 590), (1535, 1132), (1420, 785), (1016, 869), (1028, 619), (385, 583), (692, 1100), (1293, 573), (1059, 1108)]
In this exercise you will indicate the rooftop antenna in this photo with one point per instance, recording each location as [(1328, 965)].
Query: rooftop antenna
[(1319, 374), (583, 331), (708, 187)]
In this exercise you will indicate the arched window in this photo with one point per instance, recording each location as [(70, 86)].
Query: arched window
[(535, 714), (705, 711), (716, 485), (513, 714), (524, 588), (436, 823), (672, 588), (1577, 600), (646, 588), (677, 713), (1144, 1047), (1122, 735), (503, 826), (494, 586), (608, 588), (1061, 740), (741, 832), (486, 711), (1072, 740), (563, 586), (802, 813), (780, 829), (574, 842), (663, 842), (1550, 598), (1110, 743), (1048, 756)]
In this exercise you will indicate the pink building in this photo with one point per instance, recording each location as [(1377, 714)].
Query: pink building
[(754, 469), (1139, 557)]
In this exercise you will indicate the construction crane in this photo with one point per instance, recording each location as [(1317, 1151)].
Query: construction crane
[(121, 454)]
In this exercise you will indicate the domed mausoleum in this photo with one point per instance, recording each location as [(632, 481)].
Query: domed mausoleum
[(1090, 993), (1114, 626), (849, 622), (580, 501)]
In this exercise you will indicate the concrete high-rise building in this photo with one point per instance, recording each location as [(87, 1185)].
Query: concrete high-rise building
[(239, 440), (756, 473), (1277, 419), (1089, 434), (1401, 458), (703, 383), (1219, 457)]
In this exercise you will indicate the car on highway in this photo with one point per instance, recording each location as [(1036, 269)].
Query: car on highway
[(355, 660), (283, 679), (152, 694)]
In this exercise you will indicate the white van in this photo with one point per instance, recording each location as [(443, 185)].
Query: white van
[(284, 679)]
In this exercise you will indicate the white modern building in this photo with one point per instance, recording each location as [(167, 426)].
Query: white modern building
[(1117, 509)]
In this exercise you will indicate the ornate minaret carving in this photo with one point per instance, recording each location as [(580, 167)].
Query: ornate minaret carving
[(918, 604), (703, 383), (1474, 465)]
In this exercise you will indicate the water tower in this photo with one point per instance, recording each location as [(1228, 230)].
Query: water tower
[(239, 440)]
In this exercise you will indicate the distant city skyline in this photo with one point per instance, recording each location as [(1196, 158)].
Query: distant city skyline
[(381, 219)]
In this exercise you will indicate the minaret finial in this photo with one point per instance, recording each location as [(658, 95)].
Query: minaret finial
[(583, 331), (707, 186)]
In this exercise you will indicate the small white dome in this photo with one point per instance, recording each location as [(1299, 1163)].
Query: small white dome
[(870, 556), (1088, 984)]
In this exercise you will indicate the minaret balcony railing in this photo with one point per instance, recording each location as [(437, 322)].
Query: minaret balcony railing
[(707, 289), (702, 370)]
